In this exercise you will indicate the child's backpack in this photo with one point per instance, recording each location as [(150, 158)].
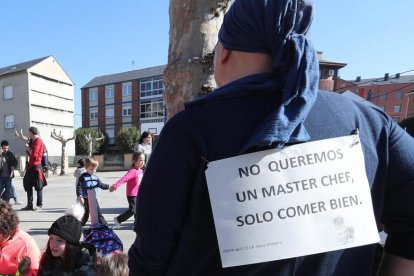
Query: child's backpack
[(103, 238)]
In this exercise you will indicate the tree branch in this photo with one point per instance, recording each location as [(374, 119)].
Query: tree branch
[(20, 135), (73, 137)]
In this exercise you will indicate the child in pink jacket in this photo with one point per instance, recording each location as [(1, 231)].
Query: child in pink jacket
[(132, 178)]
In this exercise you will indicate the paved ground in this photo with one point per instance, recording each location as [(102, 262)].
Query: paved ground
[(60, 195)]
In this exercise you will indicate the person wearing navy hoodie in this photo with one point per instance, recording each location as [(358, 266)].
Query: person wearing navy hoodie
[(267, 73)]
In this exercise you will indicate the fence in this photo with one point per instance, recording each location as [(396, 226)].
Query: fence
[(113, 160)]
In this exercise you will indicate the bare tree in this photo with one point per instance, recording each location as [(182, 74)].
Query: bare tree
[(21, 135), (22, 165), (62, 140), (193, 34), (90, 140)]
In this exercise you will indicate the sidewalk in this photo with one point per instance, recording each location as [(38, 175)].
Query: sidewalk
[(60, 194)]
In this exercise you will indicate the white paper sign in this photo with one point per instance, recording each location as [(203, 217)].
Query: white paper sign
[(304, 199)]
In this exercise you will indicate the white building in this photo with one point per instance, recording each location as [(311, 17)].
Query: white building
[(37, 93)]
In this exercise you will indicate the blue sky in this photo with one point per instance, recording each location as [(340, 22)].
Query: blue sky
[(91, 38)]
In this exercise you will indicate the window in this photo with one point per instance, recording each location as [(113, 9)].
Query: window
[(109, 92), (399, 95), (93, 115), (126, 89), (111, 135), (383, 96), (8, 92), (126, 111), (152, 109), (370, 96), (93, 95), (151, 87), (397, 108), (9, 121), (109, 112), (382, 107)]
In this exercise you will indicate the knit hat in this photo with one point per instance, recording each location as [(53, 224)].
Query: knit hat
[(68, 228)]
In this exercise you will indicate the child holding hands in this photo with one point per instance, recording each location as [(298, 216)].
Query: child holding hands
[(132, 178), (88, 180)]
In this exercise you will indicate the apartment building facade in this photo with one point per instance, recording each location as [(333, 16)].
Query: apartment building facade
[(37, 93), (328, 73), (133, 98), (393, 94)]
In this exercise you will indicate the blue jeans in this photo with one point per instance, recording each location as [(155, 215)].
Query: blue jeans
[(13, 191), (5, 184)]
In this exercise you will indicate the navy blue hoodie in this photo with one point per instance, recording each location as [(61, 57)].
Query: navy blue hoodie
[(175, 227)]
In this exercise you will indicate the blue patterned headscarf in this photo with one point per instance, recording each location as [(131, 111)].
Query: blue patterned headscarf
[(278, 28)]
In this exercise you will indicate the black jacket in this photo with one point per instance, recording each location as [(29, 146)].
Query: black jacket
[(11, 162), (84, 266)]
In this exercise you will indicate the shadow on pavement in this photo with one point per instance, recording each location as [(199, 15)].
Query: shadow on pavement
[(113, 210), (126, 226), (54, 210), (37, 231), (24, 220)]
